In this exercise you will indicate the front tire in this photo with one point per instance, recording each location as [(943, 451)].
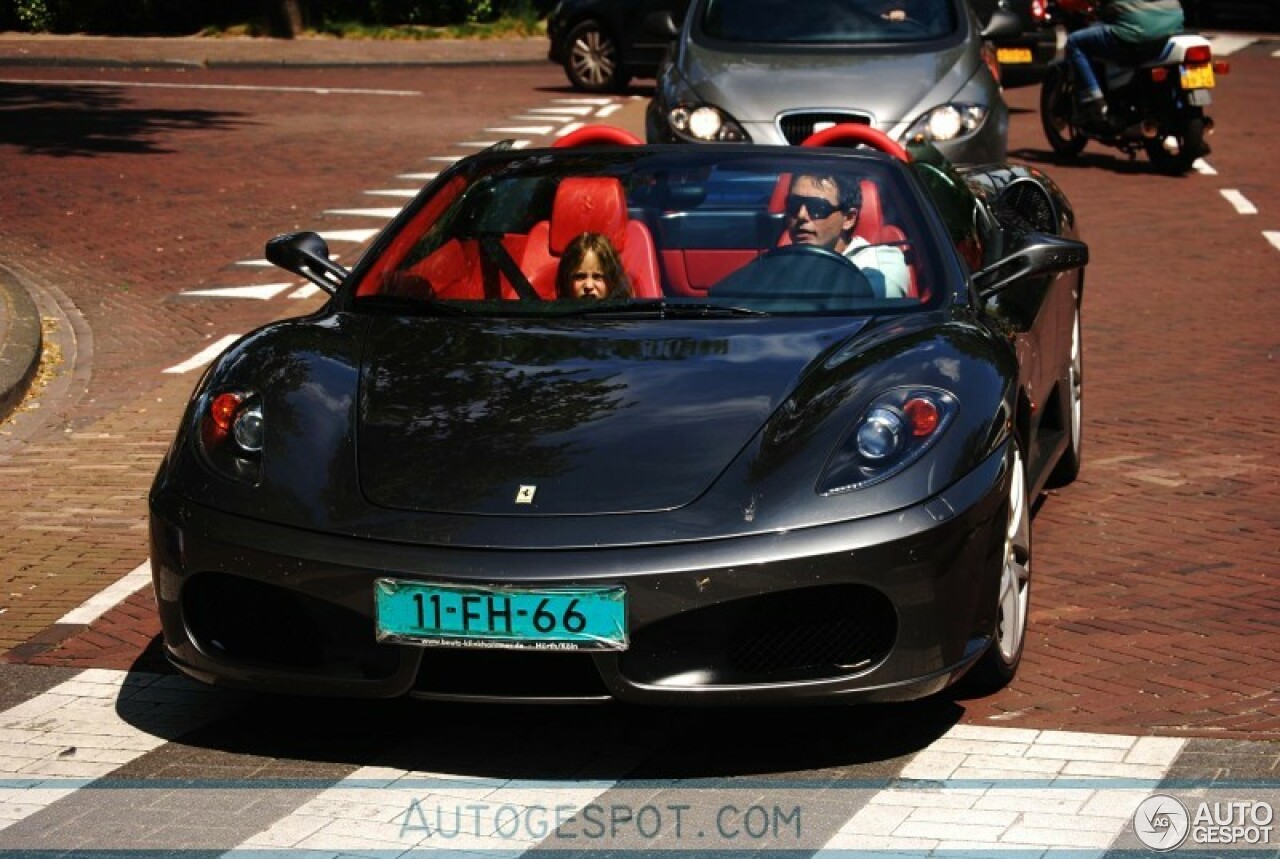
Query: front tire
[(1068, 467), (997, 667), (1056, 108), (1190, 146), (594, 60)]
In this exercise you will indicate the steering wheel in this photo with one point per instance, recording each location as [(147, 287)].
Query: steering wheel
[(815, 251)]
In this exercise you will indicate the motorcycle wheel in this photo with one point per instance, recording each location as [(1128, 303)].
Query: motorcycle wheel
[(1190, 147), (1056, 103)]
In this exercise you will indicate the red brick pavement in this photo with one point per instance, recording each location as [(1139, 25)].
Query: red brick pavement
[(1155, 604)]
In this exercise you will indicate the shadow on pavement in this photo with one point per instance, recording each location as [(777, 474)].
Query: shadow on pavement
[(69, 120)]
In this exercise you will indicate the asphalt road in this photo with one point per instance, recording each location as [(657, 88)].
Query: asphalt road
[(135, 206)]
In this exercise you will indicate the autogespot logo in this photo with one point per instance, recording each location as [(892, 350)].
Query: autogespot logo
[(1161, 822)]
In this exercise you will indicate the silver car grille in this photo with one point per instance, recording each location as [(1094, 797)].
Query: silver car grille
[(795, 126)]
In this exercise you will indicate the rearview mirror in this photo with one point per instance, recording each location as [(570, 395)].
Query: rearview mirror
[(661, 24), (1003, 24), (1034, 254), (307, 255)]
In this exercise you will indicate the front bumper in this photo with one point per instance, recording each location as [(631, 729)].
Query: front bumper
[(893, 607)]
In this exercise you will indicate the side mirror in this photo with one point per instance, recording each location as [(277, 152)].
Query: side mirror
[(1004, 24), (307, 255), (1034, 255), (661, 24)]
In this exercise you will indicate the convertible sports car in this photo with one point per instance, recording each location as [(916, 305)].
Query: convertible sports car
[(754, 479)]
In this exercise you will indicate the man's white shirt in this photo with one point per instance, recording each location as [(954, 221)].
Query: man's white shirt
[(884, 265)]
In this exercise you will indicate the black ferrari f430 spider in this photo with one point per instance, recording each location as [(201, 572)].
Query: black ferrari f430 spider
[(791, 456)]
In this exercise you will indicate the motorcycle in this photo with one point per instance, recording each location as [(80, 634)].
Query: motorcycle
[(1155, 102)]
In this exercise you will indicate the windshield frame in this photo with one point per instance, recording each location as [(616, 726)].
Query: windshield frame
[(940, 261)]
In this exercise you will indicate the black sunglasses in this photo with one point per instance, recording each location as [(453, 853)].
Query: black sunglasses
[(817, 207)]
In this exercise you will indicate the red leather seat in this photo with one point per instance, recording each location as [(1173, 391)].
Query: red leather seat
[(595, 204)]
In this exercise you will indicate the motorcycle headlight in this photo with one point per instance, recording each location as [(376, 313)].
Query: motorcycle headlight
[(895, 430), (704, 123), (948, 122)]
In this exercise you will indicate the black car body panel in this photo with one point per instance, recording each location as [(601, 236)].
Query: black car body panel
[(676, 448)]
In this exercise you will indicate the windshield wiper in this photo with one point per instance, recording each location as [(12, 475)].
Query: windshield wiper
[(664, 309)]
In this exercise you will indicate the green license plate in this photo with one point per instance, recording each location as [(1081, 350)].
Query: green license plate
[(551, 618), (1197, 77)]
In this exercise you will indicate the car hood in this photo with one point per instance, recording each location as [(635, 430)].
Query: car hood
[(503, 417), (891, 86)]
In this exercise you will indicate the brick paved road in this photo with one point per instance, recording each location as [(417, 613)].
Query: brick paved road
[(1155, 607)]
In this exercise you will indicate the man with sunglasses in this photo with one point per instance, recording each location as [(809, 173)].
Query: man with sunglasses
[(823, 210)]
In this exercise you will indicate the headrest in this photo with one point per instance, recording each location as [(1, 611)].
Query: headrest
[(588, 205)]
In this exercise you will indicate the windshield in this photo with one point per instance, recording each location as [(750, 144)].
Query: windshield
[(713, 232), (819, 22)]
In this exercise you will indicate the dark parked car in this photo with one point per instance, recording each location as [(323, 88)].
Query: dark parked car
[(1035, 43), (753, 478), (602, 44)]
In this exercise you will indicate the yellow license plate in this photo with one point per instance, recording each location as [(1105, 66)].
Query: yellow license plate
[(1017, 55), (1197, 77)]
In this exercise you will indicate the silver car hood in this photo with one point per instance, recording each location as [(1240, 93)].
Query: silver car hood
[(888, 86)]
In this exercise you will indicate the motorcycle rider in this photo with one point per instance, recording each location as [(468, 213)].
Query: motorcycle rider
[(1120, 24)]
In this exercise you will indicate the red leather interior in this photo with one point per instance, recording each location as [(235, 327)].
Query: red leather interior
[(591, 205)]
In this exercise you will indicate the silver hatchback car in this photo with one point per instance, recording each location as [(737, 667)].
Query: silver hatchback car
[(775, 71)]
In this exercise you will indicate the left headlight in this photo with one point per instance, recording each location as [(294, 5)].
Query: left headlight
[(232, 429), (705, 123), (895, 430), (951, 121)]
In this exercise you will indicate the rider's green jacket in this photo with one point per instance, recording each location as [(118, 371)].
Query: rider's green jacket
[(1141, 20)]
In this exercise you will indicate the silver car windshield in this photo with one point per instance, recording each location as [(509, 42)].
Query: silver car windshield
[(820, 22)]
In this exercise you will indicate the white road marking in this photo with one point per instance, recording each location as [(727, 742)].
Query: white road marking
[(396, 192), (959, 802), (477, 144), (356, 236), (236, 87), (574, 111), (1225, 44), (261, 292), (569, 129), (306, 291), (544, 118), (1241, 203), (447, 158), (1273, 237), (1203, 167), (85, 713), (204, 356), (386, 214), (111, 596), (420, 177), (523, 129), (608, 110), (596, 100)]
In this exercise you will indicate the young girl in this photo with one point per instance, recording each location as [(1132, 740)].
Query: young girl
[(591, 268)]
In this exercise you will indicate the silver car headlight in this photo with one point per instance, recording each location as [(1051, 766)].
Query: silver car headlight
[(951, 121), (704, 123)]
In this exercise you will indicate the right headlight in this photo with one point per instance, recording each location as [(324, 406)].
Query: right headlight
[(948, 122), (231, 433), (895, 430)]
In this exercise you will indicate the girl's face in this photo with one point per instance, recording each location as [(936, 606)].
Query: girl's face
[(588, 279)]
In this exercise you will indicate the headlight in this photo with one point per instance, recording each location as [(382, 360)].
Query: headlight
[(705, 124), (894, 431), (948, 122), (231, 434)]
